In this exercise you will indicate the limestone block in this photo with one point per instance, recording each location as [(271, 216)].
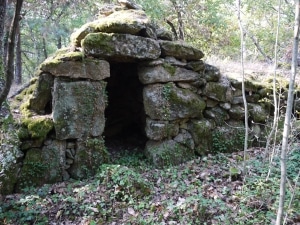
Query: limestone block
[(189, 86), (225, 105), (218, 91), (185, 138), (180, 50), (120, 47), (237, 92), (164, 34), (124, 22), (210, 103), (167, 153), (10, 157), (211, 73), (197, 66), (237, 112), (237, 100), (218, 114), (168, 102), (42, 93), (42, 166), (78, 108), (253, 98), (199, 84), (175, 62), (256, 131), (87, 69), (158, 130), (258, 113), (297, 105), (89, 155), (250, 84), (229, 137), (265, 92), (166, 73), (201, 131), (154, 62)]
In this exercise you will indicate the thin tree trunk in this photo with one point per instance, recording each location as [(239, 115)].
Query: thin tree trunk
[(5, 45), (45, 49), (292, 197), (2, 21), (59, 45), (173, 28), (180, 21), (18, 67), (9, 70), (276, 102), (287, 121), (7, 24), (257, 45), (243, 84)]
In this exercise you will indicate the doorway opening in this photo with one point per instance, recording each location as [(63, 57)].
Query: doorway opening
[(125, 115)]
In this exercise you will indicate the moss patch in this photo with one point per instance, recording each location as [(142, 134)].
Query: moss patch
[(201, 131), (225, 139), (99, 40), (90, 154), (167, 153), (177, 98), (33, 170), (171, 69), (97, 145), (59, 57), (38, 126)]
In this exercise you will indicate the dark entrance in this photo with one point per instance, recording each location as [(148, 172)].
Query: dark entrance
[(125, 116)]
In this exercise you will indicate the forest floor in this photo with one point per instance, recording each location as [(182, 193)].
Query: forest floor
[(206, 190)]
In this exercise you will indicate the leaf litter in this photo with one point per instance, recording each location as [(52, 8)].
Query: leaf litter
[(206, 190)]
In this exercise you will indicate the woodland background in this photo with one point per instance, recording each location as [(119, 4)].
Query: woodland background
[(210, 25)]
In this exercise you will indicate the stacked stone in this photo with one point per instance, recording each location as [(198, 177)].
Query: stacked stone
[(185, 100)]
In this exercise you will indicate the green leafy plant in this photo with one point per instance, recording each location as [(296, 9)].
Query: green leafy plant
[(126, 181), (221, 142)]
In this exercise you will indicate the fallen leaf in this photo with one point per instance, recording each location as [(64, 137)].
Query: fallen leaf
[(180, 201), (131, 211), (94, 209)]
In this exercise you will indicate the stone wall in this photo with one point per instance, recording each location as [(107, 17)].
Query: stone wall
[(122, 71)]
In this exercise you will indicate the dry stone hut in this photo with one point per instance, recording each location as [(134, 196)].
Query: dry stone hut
[(123, 76)]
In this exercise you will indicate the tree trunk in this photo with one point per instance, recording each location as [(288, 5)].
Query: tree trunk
[(243, 84), (6, 28), (180, 21), (272, 134), (9, 70), (2, 21), (287, 120), (173, 28), (59, 45), (267, 58), (18, 66), (45, 49), (2, 58)]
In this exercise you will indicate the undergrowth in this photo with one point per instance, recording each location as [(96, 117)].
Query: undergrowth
[(131, 191)]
